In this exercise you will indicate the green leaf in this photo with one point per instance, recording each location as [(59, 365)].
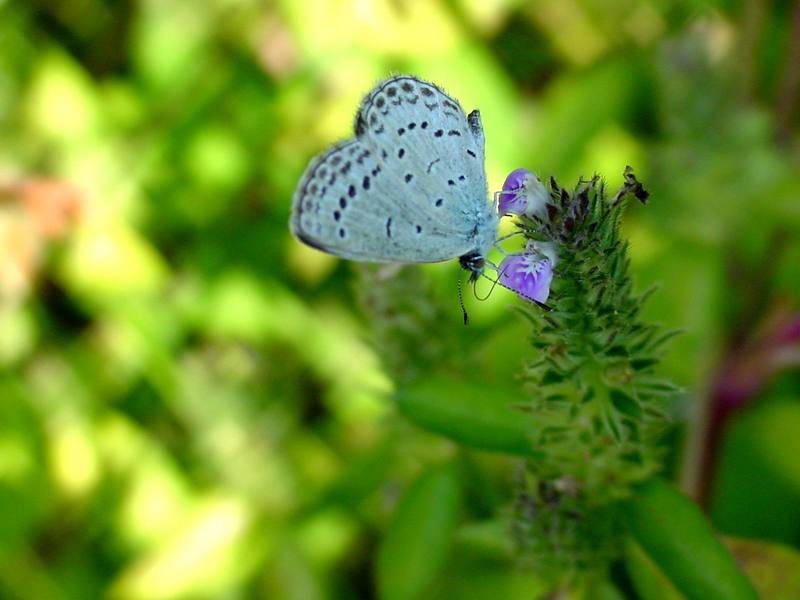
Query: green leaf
[(643, 363), (648, 580), (490, 538), (551, 377), (756, 490), (675, 534), (417, 542), (470, 413), (624, 404), (775, 431)]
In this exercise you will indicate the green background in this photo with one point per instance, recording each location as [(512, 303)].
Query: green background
[(190, 402)]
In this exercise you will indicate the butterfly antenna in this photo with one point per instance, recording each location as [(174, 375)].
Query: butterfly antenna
[(491, 289), (461, 303)]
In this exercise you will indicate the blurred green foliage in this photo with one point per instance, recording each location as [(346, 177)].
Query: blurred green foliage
[(194, 405)]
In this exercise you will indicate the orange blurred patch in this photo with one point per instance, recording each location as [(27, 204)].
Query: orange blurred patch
[(53, 205), (33, 212)]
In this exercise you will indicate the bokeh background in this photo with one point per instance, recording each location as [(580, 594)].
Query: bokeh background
[(191, 402)]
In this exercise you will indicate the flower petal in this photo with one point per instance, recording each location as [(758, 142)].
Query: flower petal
[(516, 179), (528, 274), (512, 198), (523, 194)]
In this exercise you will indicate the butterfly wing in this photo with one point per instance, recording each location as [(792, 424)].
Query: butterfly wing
[(435, 148), (409, 188)]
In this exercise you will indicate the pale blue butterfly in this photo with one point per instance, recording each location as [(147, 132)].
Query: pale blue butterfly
[(409, 188)]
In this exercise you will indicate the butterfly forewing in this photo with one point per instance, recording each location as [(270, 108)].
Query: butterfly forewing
[(430, 147)]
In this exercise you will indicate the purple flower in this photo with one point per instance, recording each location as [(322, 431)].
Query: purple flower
[(511, 201), (528, 274), (523, 194)]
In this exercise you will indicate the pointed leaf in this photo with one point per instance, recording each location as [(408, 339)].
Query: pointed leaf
[(470, 413), (676, 535), (418, 540)]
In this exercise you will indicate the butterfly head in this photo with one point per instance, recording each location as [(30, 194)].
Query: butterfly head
[(474, 262)]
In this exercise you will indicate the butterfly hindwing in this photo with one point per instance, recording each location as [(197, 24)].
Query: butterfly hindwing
[(346, 205)]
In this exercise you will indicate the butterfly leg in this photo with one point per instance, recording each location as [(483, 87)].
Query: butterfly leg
[(496, 243)]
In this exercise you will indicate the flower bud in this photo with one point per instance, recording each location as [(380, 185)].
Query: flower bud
[(523, 194)]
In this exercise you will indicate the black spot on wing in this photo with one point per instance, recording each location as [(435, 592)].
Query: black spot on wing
[(313, 180), (405, 88), (451, 105), (360, 125)]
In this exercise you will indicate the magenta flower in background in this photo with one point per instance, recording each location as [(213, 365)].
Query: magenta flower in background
[(528, 274), (523, 194)]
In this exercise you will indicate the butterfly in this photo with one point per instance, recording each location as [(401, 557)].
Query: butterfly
[(409, 187)]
